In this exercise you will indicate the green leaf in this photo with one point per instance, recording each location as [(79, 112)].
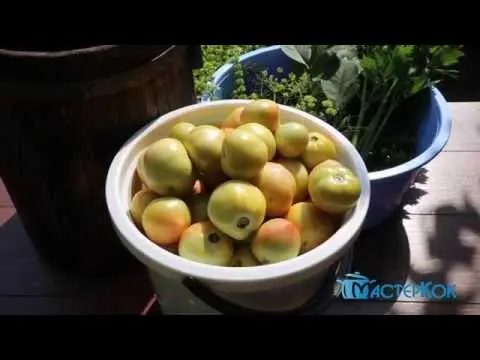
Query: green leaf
[(449, 56), (381, 57), (368, 64), (318, 51), (418, 84), (323, 63), (399, 63), (344, 51), (299, 53), (325, 66), (320, 61), (446, 56), (342, 86), (404, 51)]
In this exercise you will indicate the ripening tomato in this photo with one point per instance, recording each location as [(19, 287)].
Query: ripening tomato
[(333, 187), (263, 112)]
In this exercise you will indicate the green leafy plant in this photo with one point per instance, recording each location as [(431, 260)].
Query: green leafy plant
[(358, 89), (213, 57)]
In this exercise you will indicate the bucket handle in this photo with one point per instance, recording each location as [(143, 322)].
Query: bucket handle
[(318, 302)]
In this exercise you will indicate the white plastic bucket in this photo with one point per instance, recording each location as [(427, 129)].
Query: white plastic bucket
[(275, 287)]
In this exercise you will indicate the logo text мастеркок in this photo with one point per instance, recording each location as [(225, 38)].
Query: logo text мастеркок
[(358, 287)]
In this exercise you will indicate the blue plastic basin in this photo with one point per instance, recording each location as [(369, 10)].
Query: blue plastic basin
[(388, 186)]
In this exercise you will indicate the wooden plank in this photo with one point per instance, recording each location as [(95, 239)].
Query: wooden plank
[(414, 248), (344, 307), (18, 305), (6, 214), (400, 308), (465, 128), (450, 184), (425, 246), (5, 200), (24, 273)]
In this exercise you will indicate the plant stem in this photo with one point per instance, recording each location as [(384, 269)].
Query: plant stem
[(367, 139), (379, 130), (363, 109), (377, 133)]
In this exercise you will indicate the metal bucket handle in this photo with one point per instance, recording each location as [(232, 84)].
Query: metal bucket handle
[(318, 303)]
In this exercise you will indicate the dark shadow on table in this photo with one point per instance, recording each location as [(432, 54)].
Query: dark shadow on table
[(422, 176), (446, 246), (383, 254), (414, 194), (27, 276)]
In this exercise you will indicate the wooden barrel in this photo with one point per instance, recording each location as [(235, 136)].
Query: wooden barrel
[(63, 116)]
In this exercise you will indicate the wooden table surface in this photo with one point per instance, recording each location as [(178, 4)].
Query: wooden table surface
[(435, 237)]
